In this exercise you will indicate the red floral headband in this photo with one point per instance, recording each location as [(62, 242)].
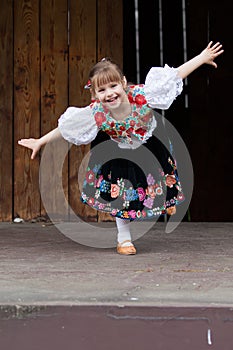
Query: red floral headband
[(88, 85)]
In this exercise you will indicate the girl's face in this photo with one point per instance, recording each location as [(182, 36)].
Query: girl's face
[(111, 95)]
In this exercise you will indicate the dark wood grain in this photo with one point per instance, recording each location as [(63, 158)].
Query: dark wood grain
[(26, 106), (6, 110), (82, 56), (54, 100)]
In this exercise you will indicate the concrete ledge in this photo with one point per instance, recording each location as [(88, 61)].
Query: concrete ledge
[(190, 267)]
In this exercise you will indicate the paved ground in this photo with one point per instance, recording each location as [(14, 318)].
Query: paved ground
[(192, 266)]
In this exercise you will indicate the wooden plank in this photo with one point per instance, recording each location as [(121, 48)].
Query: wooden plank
[(82, 56), (198, 110), (129, 41), (149, 36), (54, 100), (110, 30), (26, 106), (173, 53), (110, 43), (219, 115), (6, 109)]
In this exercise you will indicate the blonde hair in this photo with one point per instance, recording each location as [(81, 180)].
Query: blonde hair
[(105, 72)]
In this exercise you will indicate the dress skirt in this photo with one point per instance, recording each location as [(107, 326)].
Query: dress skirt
[(131, 184)]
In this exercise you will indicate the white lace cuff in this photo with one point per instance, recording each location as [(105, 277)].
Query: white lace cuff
[(78, 126), (162, 86)]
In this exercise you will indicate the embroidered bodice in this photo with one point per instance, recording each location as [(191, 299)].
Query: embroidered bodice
[(134, 127)]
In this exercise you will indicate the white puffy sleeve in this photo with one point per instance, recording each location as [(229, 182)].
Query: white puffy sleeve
[(162, 86), (77, 125)]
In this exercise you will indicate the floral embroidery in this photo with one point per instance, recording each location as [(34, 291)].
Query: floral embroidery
[(98, 181), (136, 124), (173, 164), (148, 202), (131, 194), (150, 179), (97, 194), (121, 185), (146, 196), (143, 213), (150, 191), (100, 118), (170, 180), (159, 191), (105, 186), (141, 194), (90, 176), (91, 201), (132, 213), (125, 215), (114, 212), (115, 189), (180, 197)]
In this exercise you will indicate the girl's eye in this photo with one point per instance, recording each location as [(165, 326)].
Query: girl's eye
[(114, 85)]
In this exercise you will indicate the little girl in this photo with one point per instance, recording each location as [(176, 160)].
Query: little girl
[(119, 185)]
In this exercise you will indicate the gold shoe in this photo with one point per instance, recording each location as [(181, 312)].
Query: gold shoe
[(127, 250), (171, 210)]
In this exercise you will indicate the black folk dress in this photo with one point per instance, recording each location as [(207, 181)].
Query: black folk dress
[(138, 180), (131, 173)]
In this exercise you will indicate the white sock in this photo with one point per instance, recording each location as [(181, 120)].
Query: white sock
[(123, 231)]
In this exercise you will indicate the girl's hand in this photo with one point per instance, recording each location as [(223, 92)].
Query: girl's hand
[(210, 53), (33, 144)]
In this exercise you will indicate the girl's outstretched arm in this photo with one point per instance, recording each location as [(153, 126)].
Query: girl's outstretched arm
[(36, 144), (207, 56)]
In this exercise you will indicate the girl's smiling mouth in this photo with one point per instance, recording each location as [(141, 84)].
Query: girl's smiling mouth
[(112, 99)]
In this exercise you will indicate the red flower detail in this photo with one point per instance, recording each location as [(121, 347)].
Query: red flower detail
[(140, 100), (132, 122), (122, 128), (170, 180), (90, 176), (143, 213), (130, 97), (129, 131), (140, 131), (146, 117), (111, 132), (141, 194), (100, 118), (91, 201), (180, 197), (115, 190), (88, 85)]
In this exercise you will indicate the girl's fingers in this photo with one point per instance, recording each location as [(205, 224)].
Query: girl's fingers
[(219, 53), (215, 45), (214, 64), (33, 155), (214, 48)]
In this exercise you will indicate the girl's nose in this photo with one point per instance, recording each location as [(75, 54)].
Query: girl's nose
[(109, 92)]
